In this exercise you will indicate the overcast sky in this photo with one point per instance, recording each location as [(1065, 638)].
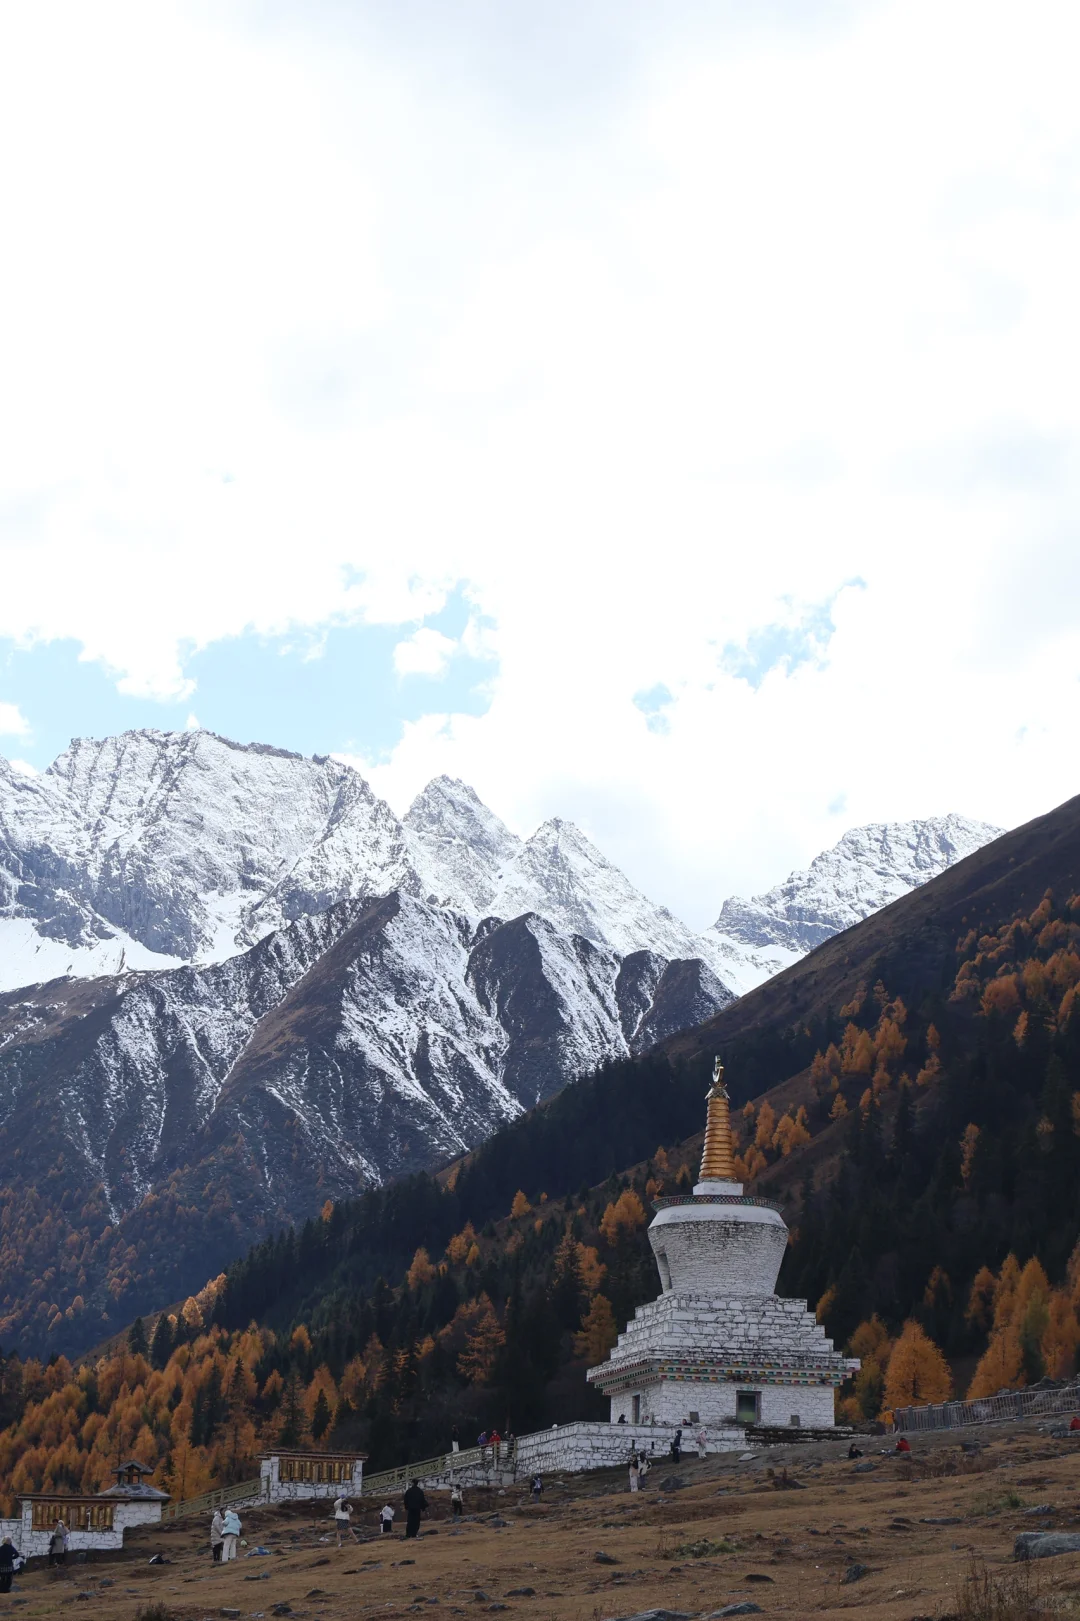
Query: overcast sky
[(660, 415)]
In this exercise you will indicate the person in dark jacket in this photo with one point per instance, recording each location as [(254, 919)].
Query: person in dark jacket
[(8, 1556), (414, 1503)]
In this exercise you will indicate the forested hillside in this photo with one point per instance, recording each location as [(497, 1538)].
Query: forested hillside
[(916, 1115)]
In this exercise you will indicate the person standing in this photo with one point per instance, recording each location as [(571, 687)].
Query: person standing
[(343, 1520), (414, 1503), (455, 1440), (386, 1519), (230, 1535), (457, 1502), (217, 1532), (58, 1544), (8, 1555), (676, 1446), (702, 1442), (635, 1473), (537, 1486)]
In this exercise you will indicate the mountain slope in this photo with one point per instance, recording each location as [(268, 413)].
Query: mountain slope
[(870, 867), (361, 1044), (154, 848)]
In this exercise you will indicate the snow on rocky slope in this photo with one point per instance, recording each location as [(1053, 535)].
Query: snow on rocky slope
[(276, 991), (153, 848), (870, 867)]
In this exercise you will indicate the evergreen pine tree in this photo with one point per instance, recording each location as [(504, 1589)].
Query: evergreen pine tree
[(137, 1338), (320, 1418), (161, 1346)]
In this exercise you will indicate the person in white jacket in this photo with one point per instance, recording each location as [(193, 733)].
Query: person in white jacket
[(231, 1530), (217, 1533)]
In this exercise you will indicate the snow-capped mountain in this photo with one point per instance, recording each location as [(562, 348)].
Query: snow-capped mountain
[(153, 849), (238, 984), (870, 867)]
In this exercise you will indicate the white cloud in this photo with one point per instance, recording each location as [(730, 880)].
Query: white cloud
[(425, 652), (23, 768), (13, 723), (192, 722), (656, 347)]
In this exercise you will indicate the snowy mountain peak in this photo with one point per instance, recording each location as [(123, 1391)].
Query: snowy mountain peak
[(870, 867)]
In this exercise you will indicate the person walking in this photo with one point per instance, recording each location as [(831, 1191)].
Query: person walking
[(230, 1535), (217, 1533), (58, 1544), (537, 1486), (343, 1520), (457, 1502), (8, 1556), (414, 1503)]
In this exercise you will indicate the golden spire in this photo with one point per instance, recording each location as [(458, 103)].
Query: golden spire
[(717, 1156)]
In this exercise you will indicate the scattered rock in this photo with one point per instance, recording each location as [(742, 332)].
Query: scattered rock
[(1045, 1544), (864, 1468), (79, 1596), (942, 1519), (158, 1559), (746, 1608), (1043, 1508), (854, 1573), (106, 1581), (497, 1519), (498, 1606), (312, 1592), (281, 1609), (673, 1483), (230, 1613), (605, 1559), (257, 1576), (656, 1615), (480, 1596), (315, 1563), (754, 1577), (520, 1592)]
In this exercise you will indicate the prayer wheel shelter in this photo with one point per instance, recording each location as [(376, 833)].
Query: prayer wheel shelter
[(286, 1475), (91, 1521)]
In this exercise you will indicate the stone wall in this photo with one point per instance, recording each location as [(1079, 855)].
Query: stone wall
[(574, 1448), (671, 1402)]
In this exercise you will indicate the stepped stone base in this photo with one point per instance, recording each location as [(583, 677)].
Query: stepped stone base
[(748, 1359)]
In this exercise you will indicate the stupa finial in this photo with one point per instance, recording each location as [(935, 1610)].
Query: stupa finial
[(717, 1156)]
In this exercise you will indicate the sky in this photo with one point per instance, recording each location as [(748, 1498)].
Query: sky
[(663, 417)]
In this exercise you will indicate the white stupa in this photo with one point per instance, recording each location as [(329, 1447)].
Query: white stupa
[(720, 1347)]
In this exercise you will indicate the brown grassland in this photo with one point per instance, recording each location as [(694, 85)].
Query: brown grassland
[(934, 1532)]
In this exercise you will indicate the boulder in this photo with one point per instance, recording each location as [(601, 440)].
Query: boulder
[(1045, 1544)]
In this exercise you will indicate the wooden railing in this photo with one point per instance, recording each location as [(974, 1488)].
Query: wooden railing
[(245, 1491), (392, 1480)]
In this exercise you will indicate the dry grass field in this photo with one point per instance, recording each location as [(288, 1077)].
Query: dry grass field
[(797, 1532)]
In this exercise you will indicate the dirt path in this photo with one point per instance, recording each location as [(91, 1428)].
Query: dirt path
[(732, 1533)]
